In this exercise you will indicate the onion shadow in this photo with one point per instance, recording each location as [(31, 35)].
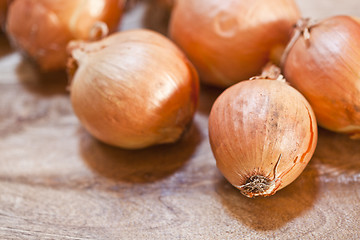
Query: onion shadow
[(5, 46), (208, 95), (138, 166), (41, 83), (39, 97), (271, 213), (337, 157), (156, 17)]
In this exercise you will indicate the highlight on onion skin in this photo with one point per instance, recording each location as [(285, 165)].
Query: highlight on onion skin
[(262, 133), (41, 29), (133, 89), (229, 41), (326, 69)]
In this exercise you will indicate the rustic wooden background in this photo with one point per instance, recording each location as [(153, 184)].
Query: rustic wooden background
[(57, 182)]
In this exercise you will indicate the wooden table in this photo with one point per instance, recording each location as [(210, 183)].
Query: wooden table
[(57, 182)]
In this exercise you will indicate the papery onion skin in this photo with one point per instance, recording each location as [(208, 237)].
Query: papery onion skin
[(41, 29), (229, 41), (133, 89), (326, 70), (262, 128)]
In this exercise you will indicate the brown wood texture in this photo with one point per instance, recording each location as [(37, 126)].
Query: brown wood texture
[(58, 182)]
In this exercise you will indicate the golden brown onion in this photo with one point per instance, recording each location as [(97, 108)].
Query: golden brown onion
[(326, 69), (133, 89), (229, 41), (43, 28), (262, 133)]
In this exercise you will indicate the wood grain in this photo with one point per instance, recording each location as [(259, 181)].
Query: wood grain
[(58, 182)]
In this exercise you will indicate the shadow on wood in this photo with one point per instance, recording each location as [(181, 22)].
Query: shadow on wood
[(37, 82), (208, 95), (138, 166), (31, 98), (271, 213), (157, 17), (337, 157), (5, 47)]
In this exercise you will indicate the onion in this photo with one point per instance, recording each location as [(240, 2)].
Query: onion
[(133, 89), (41, 29), (262, 133), (325, 68), (229, 41)]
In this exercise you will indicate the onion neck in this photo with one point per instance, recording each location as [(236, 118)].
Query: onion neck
[(301, 28), (98, 31), (71, 68), (271, 72), (76, 53)]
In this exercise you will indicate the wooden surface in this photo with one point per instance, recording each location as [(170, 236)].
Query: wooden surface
[(57, 182)]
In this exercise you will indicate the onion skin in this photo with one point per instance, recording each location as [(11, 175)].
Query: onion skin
[(133, 89), (262, 128), (41, 29), (229, 41), (326, 70)]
